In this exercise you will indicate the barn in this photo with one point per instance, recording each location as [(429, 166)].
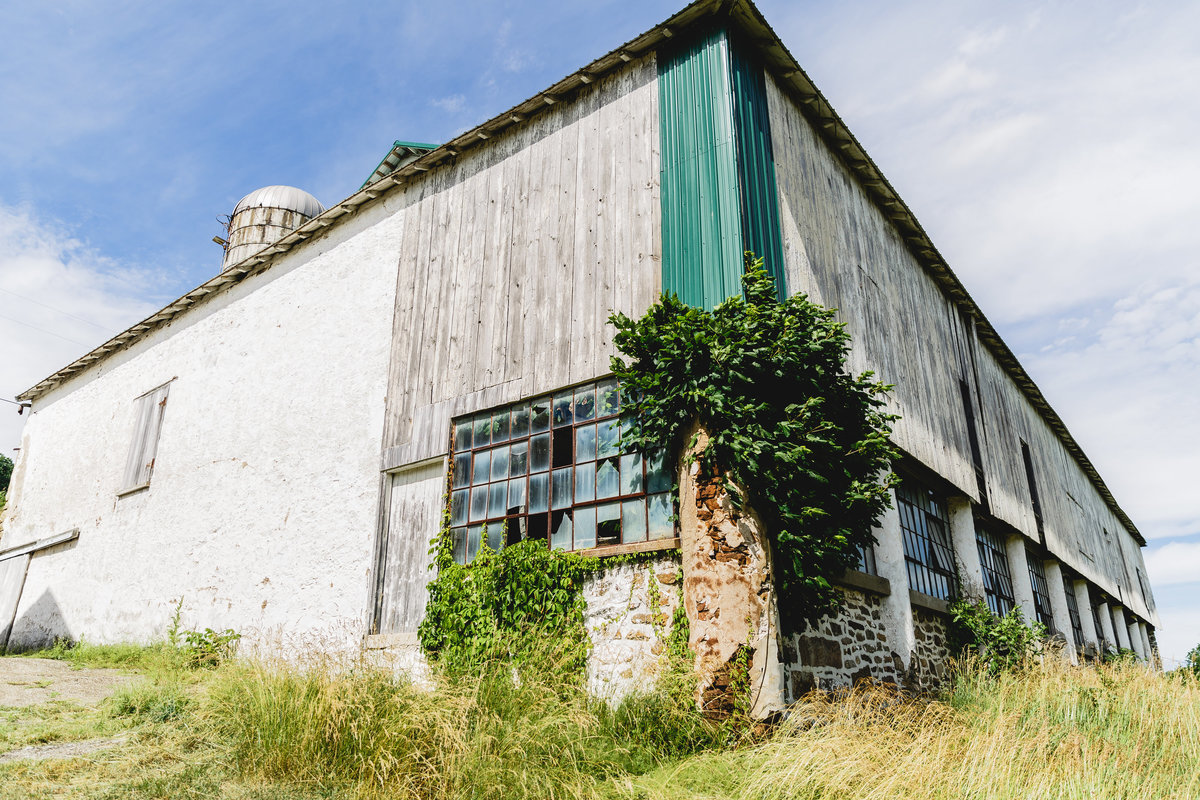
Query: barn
[(271, 451)]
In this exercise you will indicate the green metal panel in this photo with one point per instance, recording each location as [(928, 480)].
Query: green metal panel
[(756, 164), (717, 185), (701, 227)]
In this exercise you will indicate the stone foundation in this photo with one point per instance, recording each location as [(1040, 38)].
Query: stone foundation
[(840, 649), (627, 626), (931, 651)]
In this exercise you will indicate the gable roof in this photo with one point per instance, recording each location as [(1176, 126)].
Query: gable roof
[(741, 15)]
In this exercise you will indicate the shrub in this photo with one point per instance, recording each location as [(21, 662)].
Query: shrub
[(1001, 643)]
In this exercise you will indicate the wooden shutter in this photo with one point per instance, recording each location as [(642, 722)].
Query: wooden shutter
[(146, 427)]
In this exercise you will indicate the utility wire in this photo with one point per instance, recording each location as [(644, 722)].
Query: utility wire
[(11, 402), (52, 308), (43, 330)]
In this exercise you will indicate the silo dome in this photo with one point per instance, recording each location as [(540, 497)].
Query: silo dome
[(265, 216)]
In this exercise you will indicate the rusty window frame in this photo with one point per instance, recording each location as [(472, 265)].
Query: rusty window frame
[(477, 504), (928, 552), (1041, 589)]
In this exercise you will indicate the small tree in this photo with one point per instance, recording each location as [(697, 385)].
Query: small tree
[(6, 468), (1192, 662), (792, 435)]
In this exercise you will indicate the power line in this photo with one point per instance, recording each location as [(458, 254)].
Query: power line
[(52, 308), (12, 402), (43, 330)]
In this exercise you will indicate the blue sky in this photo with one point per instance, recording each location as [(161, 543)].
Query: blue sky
[(1050, 150)]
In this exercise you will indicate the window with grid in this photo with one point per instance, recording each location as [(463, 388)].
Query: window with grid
[(1099, 628), (1041, 589), (997, 580), (553, 468), (866, 560), (1073, 610), (928, 554)]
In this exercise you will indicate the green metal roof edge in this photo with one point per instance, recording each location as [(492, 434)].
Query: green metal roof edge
[(388, 154)]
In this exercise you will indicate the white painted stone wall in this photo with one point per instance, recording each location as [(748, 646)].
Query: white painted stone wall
[(261, 509)]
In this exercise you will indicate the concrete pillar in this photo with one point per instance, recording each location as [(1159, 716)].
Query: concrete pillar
[(1106, 626), (1083, 601), (1120, 627), (1058, 607), (1018, 567), (1135, 637), (889, 560), (966, 549)]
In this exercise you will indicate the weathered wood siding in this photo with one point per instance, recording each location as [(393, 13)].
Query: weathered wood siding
[(513, 258), (842, 251), (413, 504)]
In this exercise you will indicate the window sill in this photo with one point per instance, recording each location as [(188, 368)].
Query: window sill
[(928, 602), (636, 547), (865, 581), (133, 489)]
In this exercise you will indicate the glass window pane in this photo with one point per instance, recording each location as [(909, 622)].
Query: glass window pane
[(631, 473), (462, 435), (539, 493), (462, 469), (585, 527), (500, 463), (585, 404), (633, 521), (562, 409), (606, 398), (585, 482), (478, 503), (607, 479), (658, 478), (500, 421), (483, 430), (497, 499), (560, 534), (520, 421), (539, 415), (539, 453), (626, 433), (585, 443), (483, 467), (474, 535), (495, 535), (458, 507), (606, 438), (659, 524), (459, 543), (518, 459), (560, 491), (608, 524), (516, 496)]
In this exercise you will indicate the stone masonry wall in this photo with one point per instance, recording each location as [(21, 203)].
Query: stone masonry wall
[(931, 651), (841, 648), (628, 619)]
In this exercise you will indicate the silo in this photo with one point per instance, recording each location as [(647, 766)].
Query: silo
[(265, 216)]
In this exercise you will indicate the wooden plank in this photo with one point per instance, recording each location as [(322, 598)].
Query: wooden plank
[(413, 517), (12, 581), (583, 254), (521, 219)]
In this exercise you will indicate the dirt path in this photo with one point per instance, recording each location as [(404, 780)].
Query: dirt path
[(31, 681)]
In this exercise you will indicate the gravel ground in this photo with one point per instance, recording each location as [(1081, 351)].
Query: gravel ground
[(30, 681)]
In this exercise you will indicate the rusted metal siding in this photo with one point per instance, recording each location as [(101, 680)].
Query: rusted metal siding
[(701, 207)]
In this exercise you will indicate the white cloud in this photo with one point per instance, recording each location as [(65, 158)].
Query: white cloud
[(1174, 563), (451, 104), (58, 300)]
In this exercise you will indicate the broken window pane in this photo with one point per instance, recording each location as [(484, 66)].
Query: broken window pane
[(560, 525), (539, 493), (562, 409), (659, 524), (631, 474), (474, 536), (608, 524), (518, 459), (585, 443), (633, 521), (608, 482), (478, 503), (462, 469), (539, 453), (514, 530), (585, 527), (539, 415), (585, 404), (561, 451), (458, 507), (516, 496), (585, 482), (500, 463), (560, 491)]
